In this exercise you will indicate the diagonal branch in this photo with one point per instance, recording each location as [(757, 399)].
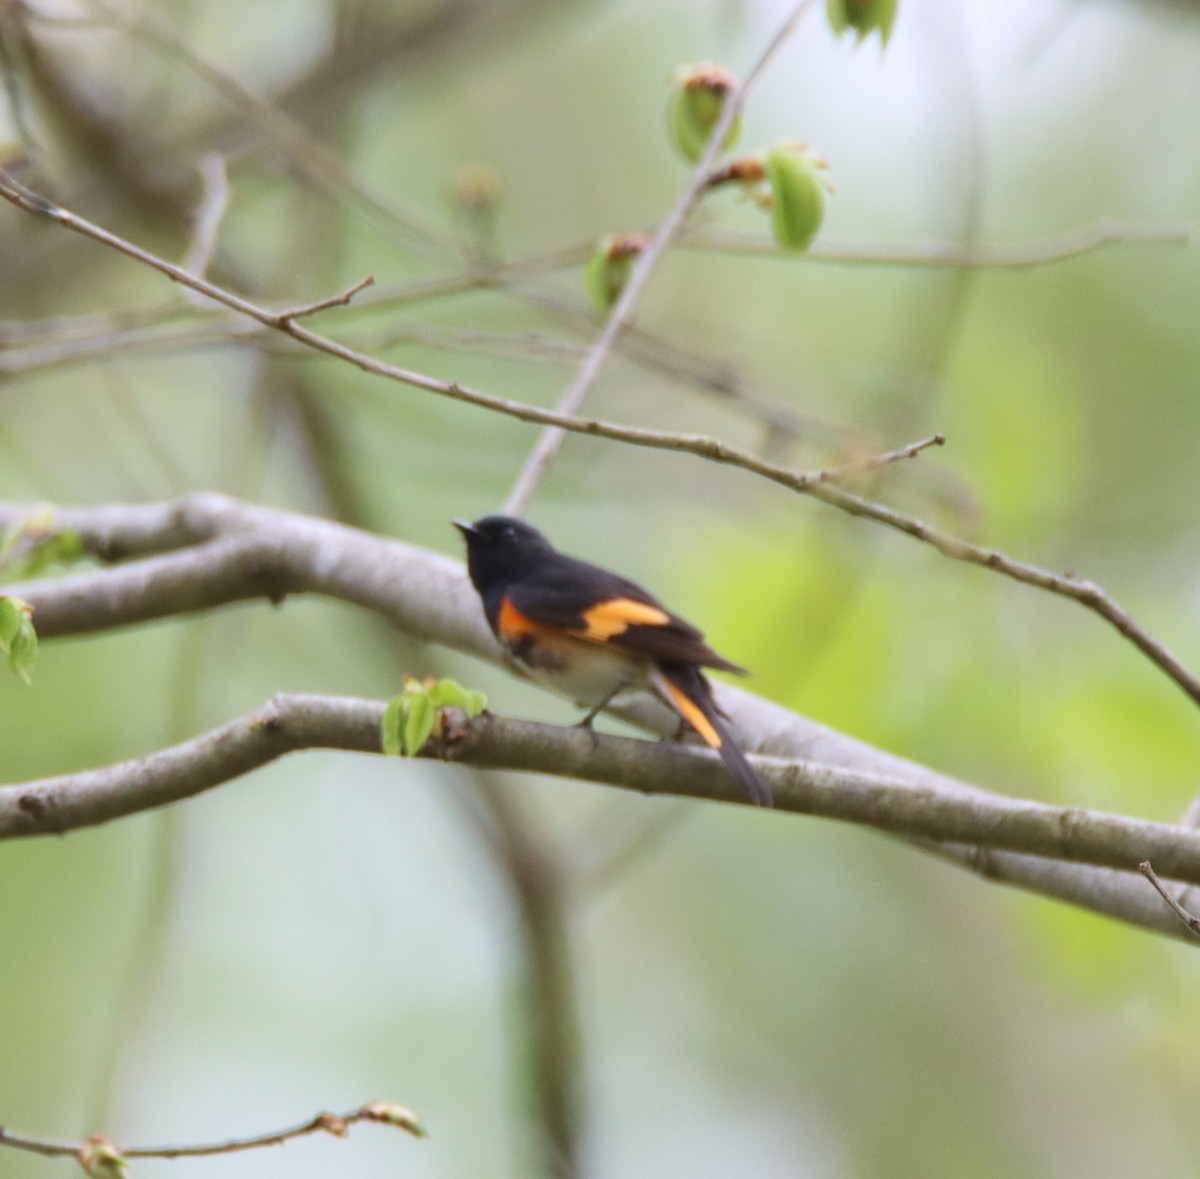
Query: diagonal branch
[(1067, 585), (819, 483), (619, 317), (286, 321)]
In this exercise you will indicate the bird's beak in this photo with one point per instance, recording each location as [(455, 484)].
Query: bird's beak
[(468, 530)]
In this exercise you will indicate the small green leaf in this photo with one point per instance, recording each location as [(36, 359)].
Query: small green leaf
[(863, 17), (392, 728), (608, 267), (27, 549), (798, 186), (448, 694), (412, 717), (11, 613), (59, 548), (451, 694), (8, 540), (698, 94), (102, 1160), (22, 651), (419, 724)]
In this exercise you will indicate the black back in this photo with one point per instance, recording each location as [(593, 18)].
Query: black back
[(508, 558)]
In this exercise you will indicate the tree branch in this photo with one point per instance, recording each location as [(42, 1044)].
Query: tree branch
[(1067, 585), (1072, 243), (206, 550), (1191, 923), (383, 1112), (619, 317), (288, 723), (285, 321)]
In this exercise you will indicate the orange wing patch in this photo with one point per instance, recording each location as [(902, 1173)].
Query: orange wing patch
[(617, 615), (512, 624), (690, 711)]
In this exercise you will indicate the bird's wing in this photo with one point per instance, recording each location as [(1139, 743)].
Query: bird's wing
[(598, 606)]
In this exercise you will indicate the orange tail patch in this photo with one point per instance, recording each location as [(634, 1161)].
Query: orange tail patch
[(692, 713)]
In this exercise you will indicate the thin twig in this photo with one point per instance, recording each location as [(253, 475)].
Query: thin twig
[(1086, 593), (1193, 923), (543, 454), (875, 462), (815, 483), (285, 321), (206, 228), (341, 300), (311, 157), (383, 1112), (951, 254)]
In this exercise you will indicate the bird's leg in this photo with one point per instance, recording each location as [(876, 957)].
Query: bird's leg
[(680, 734), (586, 723)]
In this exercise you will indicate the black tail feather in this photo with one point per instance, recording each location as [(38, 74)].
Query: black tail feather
[(688, 692), (746, 776)]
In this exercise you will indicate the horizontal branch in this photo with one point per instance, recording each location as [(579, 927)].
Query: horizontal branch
[(206, 550), (383, 1112), (288, 723), (954, 255)]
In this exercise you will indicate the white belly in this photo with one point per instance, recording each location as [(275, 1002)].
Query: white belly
[(590, 680)]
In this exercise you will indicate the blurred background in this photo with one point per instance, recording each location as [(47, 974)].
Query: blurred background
[(561, 979)]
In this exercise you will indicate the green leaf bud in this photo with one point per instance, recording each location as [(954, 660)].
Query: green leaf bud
[(419, 723), (392, 727), (11, 613), (607, 269), (798, 184), (100, 1159), (22, 651), (698, 94)]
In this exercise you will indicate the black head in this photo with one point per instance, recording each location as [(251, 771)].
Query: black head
[(500, 549)]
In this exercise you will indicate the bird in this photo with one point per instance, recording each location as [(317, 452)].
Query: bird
[(590, 634)]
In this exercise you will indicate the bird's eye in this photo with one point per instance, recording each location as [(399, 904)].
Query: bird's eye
[(510, 533)]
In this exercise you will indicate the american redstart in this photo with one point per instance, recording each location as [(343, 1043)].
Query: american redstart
[(591, 635)]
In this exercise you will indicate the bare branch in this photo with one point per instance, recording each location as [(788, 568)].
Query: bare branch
[(307, 154), (1068, 585), (1192, 923), (288, 723), (951, 254), (382, 1112), (331, 301), (209, 215), (284, 321), (207, 550), (543, 454)]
